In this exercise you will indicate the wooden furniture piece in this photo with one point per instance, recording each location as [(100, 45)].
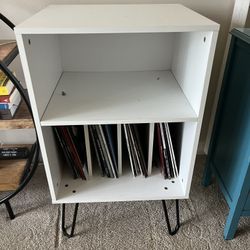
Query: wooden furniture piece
[(116, 64), (8, 51), (229, 150), (239, 19), (15, 174), (21, 120), (12, 171)]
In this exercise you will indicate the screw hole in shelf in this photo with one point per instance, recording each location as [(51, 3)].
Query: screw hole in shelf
[(73, 191), (63, 93), (166, 188), (204, 39), (29, 41), (66, 185), (173, 181)]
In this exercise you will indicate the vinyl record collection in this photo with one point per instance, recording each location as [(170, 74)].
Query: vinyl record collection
[(71, 140), (104, 148), (135, 152), (166, 151)]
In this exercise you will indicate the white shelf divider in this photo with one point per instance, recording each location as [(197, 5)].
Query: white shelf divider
[(119, 148), (150, 147), (117, 97), (88, 150)]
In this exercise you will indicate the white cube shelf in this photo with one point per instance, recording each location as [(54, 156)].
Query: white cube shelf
[(117, 64), (117, 97)]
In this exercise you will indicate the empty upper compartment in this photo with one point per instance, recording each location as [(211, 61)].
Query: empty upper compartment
[(123, 64)]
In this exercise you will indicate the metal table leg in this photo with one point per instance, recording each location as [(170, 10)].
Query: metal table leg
[(175, 230)]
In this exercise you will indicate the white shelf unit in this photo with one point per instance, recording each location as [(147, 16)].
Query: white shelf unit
[(117, 97), (117, 64)]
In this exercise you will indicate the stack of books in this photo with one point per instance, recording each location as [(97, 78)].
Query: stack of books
[(102, 137), (72, 143), (135, 152), (10, 98), (166, 151)]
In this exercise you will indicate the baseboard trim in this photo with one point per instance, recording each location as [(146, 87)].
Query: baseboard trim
[(201, 150)]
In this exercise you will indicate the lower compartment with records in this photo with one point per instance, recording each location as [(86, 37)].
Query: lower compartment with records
[(120, 161), (110, 147)]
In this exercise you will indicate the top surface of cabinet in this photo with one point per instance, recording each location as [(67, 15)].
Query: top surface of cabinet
[(63, 19)]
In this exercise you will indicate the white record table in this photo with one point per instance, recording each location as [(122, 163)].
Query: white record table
[(116, 64)]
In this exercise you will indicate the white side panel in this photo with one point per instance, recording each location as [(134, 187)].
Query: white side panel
[(88, 150), (190, 62), (44, 62), (150, 147), (116, 52), (28, 80), (52, 158), (188, 153), (119, 148), (191, 130)]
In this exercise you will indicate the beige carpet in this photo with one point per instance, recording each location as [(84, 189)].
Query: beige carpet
[(121, 225)]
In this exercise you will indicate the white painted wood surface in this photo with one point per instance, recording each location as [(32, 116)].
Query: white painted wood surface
[(188, 153), (141, 18), (88, 150), (119, 148), (190, 64), (51, 158), (150, 147), (44, 62), (125, 188), (117, 97), (116, 52), (194, 144), (53, 185)]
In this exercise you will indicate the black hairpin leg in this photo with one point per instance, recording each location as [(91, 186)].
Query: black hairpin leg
[(175, 230), (9, 209), (73, 223)]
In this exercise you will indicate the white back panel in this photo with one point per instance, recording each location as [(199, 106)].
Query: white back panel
[(116, 52), (43, 57), (190, 62)]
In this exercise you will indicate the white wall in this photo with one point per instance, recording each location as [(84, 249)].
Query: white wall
[(219, 11), (248, 19)]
